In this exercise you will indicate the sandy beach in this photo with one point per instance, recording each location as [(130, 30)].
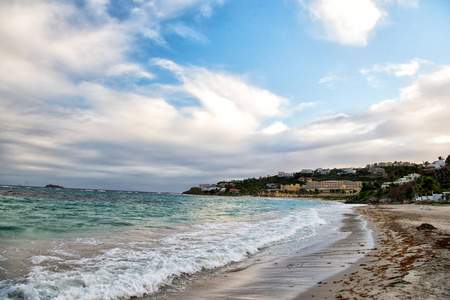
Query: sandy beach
[(401, 262), (409, 260), (286, 276)]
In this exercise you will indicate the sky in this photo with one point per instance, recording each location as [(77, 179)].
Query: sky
[(162, 95)]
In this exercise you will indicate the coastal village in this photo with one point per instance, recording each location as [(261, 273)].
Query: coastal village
[(378, 182)]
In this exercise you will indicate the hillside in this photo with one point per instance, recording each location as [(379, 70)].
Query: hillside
[(372, 177)]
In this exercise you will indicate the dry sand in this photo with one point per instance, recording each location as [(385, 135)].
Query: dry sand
[(407, 262)]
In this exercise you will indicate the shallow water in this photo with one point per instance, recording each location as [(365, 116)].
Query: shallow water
[(85, 244)]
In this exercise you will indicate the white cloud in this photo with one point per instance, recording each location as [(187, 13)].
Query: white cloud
[(410, 69), (187, 32), (330, 80), (303, 106), (346, 21), (351, 22), (398, 70), (228, 103), (129, 69), (275, 128)]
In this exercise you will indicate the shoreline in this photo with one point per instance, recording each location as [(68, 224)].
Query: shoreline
[(400, 262), (284, 277), (406, 263)]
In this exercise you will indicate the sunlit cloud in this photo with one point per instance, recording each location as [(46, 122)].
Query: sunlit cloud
[(348, 21)]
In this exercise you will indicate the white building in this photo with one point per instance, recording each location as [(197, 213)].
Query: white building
[(436, 164), (322, 171), (433, 197), (407, 178), (284, 174)]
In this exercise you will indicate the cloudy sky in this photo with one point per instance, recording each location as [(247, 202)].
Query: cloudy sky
[(161, 95)]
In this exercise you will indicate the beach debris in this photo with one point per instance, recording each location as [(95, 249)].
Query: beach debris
[(426, 226)]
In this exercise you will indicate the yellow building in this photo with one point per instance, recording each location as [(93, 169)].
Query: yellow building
[(291, 187), (327, 188)]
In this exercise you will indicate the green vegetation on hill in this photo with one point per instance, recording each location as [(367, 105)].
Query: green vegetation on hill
[(434, 180)]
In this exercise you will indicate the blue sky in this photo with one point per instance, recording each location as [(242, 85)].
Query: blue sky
[(163, 95)]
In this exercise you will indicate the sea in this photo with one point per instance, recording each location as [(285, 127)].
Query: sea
[(100, 244)]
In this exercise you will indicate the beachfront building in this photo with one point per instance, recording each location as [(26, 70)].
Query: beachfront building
[(432, 197), (291, 187), (333, 188), (334, 184), (234, 191)]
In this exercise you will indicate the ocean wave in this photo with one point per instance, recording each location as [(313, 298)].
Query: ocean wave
[(123, 272)]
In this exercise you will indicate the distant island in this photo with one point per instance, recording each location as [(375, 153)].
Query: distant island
[(383, 182), (54, 186)]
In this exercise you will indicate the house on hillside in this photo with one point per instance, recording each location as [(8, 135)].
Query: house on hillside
[(385, 185), (271, 185), (207, 187), (377, 171), (322, 171), (284, 174), (436, 164), (234, 191), (348, 171)]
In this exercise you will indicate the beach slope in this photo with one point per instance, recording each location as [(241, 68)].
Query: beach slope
[(410, 260)]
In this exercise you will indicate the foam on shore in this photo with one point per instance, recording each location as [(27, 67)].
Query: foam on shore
[(286, 277)]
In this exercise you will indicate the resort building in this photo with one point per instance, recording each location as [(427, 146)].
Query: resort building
[(334, 184), (333, 188), (291, 187)]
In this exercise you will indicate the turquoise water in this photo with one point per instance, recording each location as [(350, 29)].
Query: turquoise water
[(90, 244)]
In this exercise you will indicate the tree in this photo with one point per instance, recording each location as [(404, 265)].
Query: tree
[(427, 184), (400, 193)]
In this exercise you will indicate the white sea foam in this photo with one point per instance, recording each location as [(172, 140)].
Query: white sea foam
[(42, 258), (127, 270)]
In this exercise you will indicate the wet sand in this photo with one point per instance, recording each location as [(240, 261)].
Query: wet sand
[(285, 277), (403, 261), (408, 262)]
